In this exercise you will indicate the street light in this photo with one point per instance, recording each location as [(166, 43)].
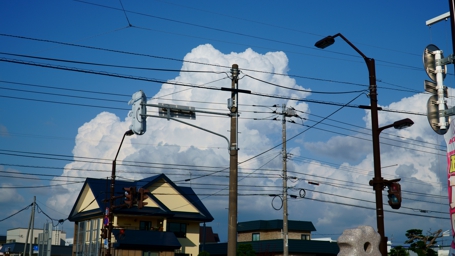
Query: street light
[(377, 182), (401, 124), (112, 197)]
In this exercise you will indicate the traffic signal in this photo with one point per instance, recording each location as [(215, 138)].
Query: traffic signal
[(435, 66), (394, 195), (104, 233), (138, 112), (130, 196), (142, 196)]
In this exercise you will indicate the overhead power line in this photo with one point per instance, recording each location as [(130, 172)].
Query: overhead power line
[(178, 60), (153, 80), (113, 66), (249, 35), (23, 209)]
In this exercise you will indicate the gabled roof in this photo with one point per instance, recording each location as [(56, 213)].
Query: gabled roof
[(91, 200), (257, 225)]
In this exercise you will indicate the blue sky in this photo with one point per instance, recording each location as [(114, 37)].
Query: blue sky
[(53, 114)]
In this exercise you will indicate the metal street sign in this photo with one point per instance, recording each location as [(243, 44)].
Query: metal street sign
[(176, 111)]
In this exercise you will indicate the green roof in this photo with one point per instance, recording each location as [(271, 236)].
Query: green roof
[(256, 225)]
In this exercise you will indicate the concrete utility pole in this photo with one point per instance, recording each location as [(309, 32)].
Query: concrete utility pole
[(233, 165), (285, 187), (32, 227)]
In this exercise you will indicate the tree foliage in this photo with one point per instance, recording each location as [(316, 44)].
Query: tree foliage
[(203, 253), (420, 243), (398, 251), (245, 250)]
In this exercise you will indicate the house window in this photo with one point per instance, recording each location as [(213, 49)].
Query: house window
[(87, 237), (144, 253), (179, 229), (305, 237), (255, 237), (145, 225)]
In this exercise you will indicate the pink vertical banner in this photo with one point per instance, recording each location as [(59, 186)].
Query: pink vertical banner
[(450, 141)]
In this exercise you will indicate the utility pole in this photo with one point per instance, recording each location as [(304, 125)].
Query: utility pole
[(166, 111), (233, 164), (30, 227), (285, 187), (33, 224)]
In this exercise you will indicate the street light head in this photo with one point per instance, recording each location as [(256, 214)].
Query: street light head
[(404, 123), (325, 42), (129, 133)]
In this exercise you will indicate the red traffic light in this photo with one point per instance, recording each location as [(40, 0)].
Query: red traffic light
[(394, 195), (394, 187)]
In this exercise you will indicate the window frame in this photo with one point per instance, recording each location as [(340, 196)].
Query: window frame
[(145, 225), (179, 231)]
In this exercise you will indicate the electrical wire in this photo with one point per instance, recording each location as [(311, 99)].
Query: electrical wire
[(114, 66), (23, 209), (299, 90), (236, 33), (373, 208), (178, 60)]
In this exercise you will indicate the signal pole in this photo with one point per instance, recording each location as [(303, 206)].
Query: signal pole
[(233, 165), (112, 196), (285, 187)]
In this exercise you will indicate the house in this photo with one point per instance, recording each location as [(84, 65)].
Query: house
[(167, 224), (207, 236), (269, 230), (266, 238)]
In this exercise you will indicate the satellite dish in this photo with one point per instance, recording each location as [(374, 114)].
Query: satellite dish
[(429, 63), (433, 115)]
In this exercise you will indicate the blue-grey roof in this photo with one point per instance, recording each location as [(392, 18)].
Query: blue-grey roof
[(101, 191), (256, 225), (273, 247)]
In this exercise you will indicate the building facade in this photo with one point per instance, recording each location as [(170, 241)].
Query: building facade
[(272, 229), (16, 242), (266, 238), (167, 224), (19, 235)]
